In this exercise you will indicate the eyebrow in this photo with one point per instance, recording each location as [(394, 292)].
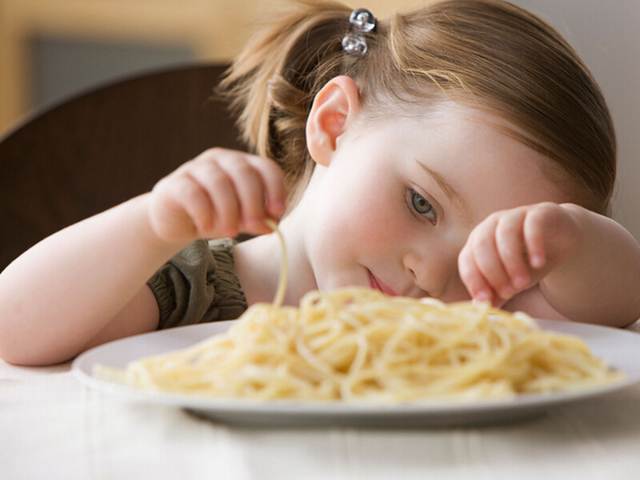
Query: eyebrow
[(454, 197)]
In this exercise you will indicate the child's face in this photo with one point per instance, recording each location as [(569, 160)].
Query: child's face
[(400, 196)]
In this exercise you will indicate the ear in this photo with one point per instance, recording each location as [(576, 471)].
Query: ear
[(333, 108)]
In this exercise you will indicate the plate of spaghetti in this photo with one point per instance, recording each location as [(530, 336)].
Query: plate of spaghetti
[(357, 357)]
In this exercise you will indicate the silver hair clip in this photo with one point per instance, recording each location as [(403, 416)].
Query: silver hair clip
[(361, 21)]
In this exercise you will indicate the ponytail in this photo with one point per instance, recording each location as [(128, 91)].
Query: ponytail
[(273, 82)]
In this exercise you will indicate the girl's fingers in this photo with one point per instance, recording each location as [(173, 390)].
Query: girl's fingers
[(487, 259), (273, 180), (225, 208), (219, 193), (241, 201), (195, 201), (257, 184), (534, 232), (552, 235), (226, 205), (472, 278), (252, 192), (181, 209), (512, 249), (509, 238)]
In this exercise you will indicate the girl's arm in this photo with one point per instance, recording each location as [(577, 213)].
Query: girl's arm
[(86, 284), (584, 266), (67, 289), (601, 282)]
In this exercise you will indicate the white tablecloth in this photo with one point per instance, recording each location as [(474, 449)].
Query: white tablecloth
[(53, 427)]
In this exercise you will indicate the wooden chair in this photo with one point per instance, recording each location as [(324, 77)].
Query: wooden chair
[(103, 147)]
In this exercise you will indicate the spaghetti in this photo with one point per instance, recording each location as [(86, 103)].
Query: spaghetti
[(357, 344)]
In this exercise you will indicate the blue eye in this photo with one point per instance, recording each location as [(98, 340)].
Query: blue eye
[(422, 206)]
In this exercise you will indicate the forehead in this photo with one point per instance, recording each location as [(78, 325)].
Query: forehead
[(483, 163), (471, 150)]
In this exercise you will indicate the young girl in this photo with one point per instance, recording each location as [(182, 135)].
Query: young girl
[(458, 151)]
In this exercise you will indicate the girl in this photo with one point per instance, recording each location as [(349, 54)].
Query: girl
[(458, 151)]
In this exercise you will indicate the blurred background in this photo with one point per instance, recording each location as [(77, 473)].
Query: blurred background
[(53, 49)]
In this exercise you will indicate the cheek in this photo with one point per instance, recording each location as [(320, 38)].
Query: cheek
[(381, 227), (372, 225)]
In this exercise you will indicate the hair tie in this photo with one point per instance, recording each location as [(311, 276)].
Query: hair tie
[(361, 21)]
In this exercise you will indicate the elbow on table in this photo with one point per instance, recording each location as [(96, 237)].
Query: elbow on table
[(17, 345), (24, 350), (29, 357), (12, 353), (24, 337)]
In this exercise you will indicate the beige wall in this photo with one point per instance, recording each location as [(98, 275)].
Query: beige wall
[(605, 33), (204, 25), (214, 29)]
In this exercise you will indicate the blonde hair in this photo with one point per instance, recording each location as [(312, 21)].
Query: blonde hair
[(488, 54)]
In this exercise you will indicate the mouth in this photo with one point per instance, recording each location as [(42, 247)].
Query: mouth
[(378, 284)]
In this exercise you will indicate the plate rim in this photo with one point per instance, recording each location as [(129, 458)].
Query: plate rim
[(297, 408)]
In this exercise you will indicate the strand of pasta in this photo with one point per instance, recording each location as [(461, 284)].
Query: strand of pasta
[(284, 268)]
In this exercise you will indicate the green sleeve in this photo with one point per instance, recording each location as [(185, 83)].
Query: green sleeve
[(198, 285)]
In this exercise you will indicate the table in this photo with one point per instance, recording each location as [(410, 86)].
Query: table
[(53, 427)]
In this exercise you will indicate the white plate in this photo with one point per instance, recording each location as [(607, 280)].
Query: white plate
[(619, 347)]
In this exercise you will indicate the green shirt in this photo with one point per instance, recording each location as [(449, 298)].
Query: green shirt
[(199, 285)]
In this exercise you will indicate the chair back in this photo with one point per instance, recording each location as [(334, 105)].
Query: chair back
[(103, 147)]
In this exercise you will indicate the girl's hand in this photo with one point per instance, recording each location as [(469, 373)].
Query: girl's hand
[(512, 250), (218, 194)]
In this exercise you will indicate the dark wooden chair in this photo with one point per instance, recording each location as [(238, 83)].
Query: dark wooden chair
[(102, 147)]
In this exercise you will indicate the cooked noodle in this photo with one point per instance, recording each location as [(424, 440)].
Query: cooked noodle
[(357, 344)]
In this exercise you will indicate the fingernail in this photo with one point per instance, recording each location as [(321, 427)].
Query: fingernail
[(482, 296), (520, 281), (537, 261)]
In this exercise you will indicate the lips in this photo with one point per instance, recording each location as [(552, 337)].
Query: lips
[(377, 284)]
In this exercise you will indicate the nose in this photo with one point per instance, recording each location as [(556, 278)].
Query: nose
[(435, 270)]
